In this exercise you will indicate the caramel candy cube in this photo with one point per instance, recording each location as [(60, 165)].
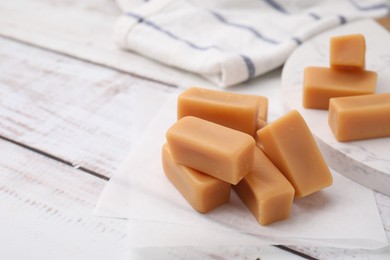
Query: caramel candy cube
[(348, 52), (360, 117), (203, 192), (321, 84), (290, 145), (219, 151), (265, 191), (237, 111)]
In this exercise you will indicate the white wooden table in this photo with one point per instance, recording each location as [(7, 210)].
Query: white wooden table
[(65, 126)]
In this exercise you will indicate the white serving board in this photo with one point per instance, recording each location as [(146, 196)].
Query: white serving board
[(368, 161)]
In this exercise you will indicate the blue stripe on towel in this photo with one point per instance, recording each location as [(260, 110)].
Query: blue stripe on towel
[(314, 15), (250, 66), (296, 40), (370, 7), (248, 62), (342, 19), (222, 19), (275, 5), (168, 33), (281, 9)]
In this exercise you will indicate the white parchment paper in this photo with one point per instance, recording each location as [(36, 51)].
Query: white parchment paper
[(344, 215)]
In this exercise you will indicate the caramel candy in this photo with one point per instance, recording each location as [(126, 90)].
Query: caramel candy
[(237, 111), (290, 145), (202, 191), (321, 84), (348, 52), (265, 191), (360, 117), (214, 149)]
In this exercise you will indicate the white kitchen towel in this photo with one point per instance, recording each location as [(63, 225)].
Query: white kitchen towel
[(231, 41)]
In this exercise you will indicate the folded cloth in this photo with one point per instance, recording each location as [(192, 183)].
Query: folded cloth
[(231, 41)]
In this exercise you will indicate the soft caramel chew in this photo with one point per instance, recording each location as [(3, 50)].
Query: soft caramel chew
[(202, 191), (290, 145), (237, 111), (217, 150), (321, 84), (348, 52), (265, 191), (360, 117)]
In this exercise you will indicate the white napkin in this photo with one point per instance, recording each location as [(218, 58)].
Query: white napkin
[(141, 192), (230, 41)]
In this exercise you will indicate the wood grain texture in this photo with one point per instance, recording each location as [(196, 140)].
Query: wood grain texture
[(47, 103), (46, 210), (46, 213), (83, 30), (80, 112), (74, 110)]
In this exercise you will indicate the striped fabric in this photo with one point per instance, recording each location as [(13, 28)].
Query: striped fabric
[(231, 41)]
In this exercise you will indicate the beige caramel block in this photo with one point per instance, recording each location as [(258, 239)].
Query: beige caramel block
[(219, 151), (360, 117), (321, 84), (348, 52), (237, 111), (290, 145), (260, 123), (203, 192), (265, 191)]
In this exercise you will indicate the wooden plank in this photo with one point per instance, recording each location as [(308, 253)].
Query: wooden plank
[(46, 210), (46, 213), (80, 112), (85, 36), (340, 254), (83, 30)]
